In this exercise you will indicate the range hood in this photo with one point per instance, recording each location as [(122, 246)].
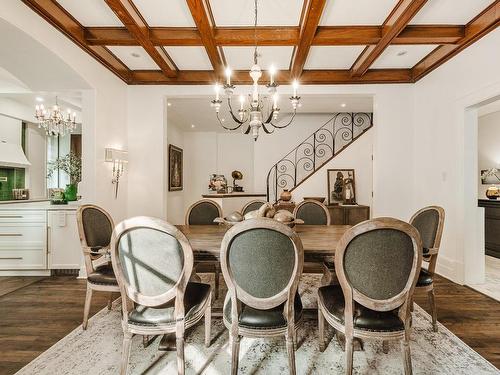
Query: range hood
[(12, 155)]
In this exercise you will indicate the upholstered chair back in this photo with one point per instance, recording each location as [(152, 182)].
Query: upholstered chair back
[(152, 260), (203, 212), (261, 261), (429, 222), (97, 226), (313, 213), (252, 206), (377, 263)]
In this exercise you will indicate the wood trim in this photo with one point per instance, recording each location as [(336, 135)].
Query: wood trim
[(400, 16), (58, 17), (309, 25), (135, 24), (488, 20), (200, 12)]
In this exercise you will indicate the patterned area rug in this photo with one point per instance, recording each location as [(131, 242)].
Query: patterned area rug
[(98, 350)]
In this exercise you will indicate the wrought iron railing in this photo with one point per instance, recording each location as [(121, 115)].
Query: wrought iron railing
[(315, 151)]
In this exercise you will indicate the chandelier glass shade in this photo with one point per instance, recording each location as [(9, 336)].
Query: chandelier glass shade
[(53, 121), (255, 109)]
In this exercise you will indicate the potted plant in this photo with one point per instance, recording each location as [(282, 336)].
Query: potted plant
[(71, 164)]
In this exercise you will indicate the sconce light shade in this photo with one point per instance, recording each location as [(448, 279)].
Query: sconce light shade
[(113, 155)]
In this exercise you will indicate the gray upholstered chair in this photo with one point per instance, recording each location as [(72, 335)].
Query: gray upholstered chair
[(153, 261), (262, 261), (429, 222), (377, 264), (252, 206), (312, 212), (203, 212), (95, 226)]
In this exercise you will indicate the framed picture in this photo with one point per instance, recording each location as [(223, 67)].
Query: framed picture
[(341, 186), (175, 171)]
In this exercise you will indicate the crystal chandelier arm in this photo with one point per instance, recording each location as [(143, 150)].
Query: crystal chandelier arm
[(284, 126), (226, 127)]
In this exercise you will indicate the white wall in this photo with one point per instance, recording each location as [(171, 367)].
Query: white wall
[(36, 152), (10, 130), (445, 147), (488, 134)]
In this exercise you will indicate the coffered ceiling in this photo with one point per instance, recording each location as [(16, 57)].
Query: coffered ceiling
[(314, 41)]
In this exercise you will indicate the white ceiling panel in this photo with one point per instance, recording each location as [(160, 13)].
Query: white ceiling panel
[(332, 57), (189, 58), (402, 56), (171, 13), (136, 58), (356, 12), (270, 12), (241, 58), (91, 12), (454, 12)]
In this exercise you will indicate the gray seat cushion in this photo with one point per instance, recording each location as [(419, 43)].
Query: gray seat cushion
[(263, 319), (424, 278), (102, 275), (332, 298), (194, 298)]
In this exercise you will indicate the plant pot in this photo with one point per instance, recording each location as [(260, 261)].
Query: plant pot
[(70, 194)]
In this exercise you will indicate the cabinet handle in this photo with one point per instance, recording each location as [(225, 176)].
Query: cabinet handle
[(11, 234), (11, 217), (11, 258)]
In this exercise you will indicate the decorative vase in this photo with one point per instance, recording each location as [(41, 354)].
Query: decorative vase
[(492, 192), (285, 195), (71, 192)]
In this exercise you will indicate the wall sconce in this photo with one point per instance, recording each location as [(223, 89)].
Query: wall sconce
[(118, 158)]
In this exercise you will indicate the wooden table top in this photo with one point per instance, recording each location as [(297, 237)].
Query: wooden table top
[(319, 241)]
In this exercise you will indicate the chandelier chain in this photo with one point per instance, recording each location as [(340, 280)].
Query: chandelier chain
[(255, 34)]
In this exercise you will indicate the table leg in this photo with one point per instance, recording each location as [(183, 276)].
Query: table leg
[(167, 343), (195, 278)]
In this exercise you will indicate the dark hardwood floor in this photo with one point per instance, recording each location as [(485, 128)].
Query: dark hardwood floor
[(36, 316)]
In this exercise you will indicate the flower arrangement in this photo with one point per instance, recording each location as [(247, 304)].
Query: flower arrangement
[(70, 164)]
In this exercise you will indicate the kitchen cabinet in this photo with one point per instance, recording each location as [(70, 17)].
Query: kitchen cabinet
[(64, 251)]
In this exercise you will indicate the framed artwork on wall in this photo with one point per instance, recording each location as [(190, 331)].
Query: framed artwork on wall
[(175, 168), (341, 186)]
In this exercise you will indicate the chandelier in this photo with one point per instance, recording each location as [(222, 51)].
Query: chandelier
[(261, 110), (53, 121)]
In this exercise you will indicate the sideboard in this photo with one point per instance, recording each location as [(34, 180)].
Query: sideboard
[(348, 214)]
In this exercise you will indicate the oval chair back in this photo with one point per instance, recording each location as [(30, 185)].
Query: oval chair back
[(252, 206), (152, 261), (377, 264), (429, 222), (312, 212), (203, 212), (261, 261)]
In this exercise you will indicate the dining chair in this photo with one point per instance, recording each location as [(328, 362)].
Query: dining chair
[(95, 227), (429, 222), (377, 264), (153, 261), (312, 212), (262, 261), (252, 206), (203, 212)]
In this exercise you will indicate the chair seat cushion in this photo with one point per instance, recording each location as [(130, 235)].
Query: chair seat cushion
[(262, 319), (332, 297), (195, 297), (424, 278), (102, 275)]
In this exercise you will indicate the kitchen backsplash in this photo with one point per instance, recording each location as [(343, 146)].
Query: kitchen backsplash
[(15, 180)]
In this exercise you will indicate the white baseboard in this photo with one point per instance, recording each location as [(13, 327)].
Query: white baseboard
[(25, 273), (449, 268)]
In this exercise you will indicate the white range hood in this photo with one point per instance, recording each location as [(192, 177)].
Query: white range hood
[(12, 155)]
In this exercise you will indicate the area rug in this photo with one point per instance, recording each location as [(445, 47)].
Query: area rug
[(98, 350)]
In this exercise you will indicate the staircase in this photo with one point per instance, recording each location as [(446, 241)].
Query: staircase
[(315, 151)]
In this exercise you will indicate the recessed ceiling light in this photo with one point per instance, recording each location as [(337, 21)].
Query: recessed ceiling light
[(39, 99), (135, 54), (223, 119), (343, 105), (192, 125), (402, 53), (169, 104)]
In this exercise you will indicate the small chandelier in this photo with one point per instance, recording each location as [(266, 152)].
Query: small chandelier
[(54, 122), (262, 110)]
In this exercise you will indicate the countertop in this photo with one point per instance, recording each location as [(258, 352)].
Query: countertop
[(39, 205), (233, 195)]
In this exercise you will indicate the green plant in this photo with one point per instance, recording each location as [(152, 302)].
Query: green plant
[(71, 164)]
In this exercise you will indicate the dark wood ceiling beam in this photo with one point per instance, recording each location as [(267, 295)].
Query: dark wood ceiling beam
[(312, 15), (430, 34), (316, 77), (199, 11), (135, 24), (485, 22), (395, 23), (266, 36), (57, 16)]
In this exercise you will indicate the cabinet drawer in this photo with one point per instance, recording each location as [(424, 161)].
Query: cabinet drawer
[(16, 259), (22, 216), (26, 236)]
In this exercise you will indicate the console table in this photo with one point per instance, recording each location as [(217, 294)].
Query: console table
[(349, 214), (491, 226)]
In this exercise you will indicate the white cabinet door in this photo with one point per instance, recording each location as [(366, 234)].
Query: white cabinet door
[(63, 242)]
